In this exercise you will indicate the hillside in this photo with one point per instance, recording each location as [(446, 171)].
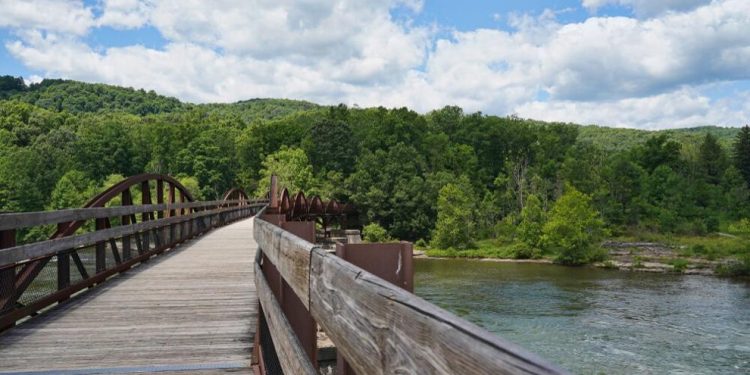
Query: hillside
[(619, 139), (79, 97)]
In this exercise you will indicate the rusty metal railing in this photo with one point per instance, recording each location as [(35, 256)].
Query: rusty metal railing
[(93, 243)]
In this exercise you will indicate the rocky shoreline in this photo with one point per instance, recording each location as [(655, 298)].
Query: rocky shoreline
[(653, 257), (629, 256)]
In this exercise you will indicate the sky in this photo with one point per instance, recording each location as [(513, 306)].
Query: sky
[(648, 64)]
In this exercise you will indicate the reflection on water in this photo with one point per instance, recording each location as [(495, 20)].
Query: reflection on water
[(593, 321)]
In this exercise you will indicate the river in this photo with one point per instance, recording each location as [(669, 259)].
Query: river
[(593, 321)]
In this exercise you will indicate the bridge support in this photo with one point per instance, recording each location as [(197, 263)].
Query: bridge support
[(391, 262)]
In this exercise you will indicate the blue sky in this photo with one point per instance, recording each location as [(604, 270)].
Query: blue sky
[(627, 63)]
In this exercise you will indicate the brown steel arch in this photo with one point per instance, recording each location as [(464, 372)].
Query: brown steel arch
[(122, 189)]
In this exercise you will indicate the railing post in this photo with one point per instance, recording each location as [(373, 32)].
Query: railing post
[(63, 270), (7, 277), (101, 254), (172, 227), (391, 262)]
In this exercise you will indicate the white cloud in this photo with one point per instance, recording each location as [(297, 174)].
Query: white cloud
[(647, 8), (678, 109), (124, 14), (610, 70), (58, 16)]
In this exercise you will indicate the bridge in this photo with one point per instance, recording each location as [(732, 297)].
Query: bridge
[(234, 285)]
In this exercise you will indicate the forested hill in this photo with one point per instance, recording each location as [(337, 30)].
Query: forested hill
[(63, 141), (619, 139), (79, 97)]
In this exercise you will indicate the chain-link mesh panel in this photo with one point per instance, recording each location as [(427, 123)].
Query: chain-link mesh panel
[(44, 283), (75, 274), (109, 256), (88, 258), (7, 287)]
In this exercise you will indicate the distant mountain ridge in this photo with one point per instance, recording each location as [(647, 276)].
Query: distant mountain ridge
[(80, 97)]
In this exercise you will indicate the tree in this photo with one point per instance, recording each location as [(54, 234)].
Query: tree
[(71, 191), (454, 227), (659, 150), (712, 159), (573, 228), (625, 183), (330, 146), (104, 148), (741, 153), (532, 221), (293, 169)]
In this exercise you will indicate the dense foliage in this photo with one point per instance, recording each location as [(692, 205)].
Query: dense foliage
[(446, 177)]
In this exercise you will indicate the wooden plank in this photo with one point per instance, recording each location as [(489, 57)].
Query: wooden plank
[(192, 305), (45, 248), (30, 219), (292, 356), (289, 253), (382, 329)]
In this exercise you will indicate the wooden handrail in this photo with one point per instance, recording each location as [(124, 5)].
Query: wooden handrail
[(31, 219), (380, 328), (50, 247), (20, 265)]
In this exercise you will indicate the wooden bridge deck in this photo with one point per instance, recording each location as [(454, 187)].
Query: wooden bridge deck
[(191, 310)]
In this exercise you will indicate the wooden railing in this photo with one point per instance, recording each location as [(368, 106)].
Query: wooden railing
[(36, 275), (378, 327)]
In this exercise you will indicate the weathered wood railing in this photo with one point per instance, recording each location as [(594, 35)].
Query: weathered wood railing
[(378, 327), (36, 275)]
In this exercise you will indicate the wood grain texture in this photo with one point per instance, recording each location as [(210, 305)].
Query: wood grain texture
[(49, 247), (292, 357), (195, 304), (382, 329), (290, 254), (30, 219)]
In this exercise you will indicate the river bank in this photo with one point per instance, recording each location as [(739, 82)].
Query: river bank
[(625, 255)]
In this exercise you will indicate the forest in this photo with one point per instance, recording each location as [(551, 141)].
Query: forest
[(453, 182)]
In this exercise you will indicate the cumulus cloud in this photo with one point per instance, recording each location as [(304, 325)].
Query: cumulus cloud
[(124, 14), (60, 16), (681, 108), (641, 72)]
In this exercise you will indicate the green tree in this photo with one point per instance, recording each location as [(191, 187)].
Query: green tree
[(330, 146), (573, 229), (712, 159), (71, 191), (532, 222), (106, 147), (741, 153), (659, 150), (454, 227), (292, 168)]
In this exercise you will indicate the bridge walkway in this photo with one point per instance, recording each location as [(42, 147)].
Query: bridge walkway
[(189, 310)]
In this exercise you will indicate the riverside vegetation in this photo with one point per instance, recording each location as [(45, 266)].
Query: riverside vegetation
[(458, 184)]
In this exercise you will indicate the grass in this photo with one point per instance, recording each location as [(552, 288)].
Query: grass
[(679, 264), (489, 248)]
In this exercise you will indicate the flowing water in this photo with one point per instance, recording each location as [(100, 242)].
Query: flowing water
[(593, 321)]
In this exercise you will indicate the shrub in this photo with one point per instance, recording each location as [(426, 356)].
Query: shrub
[(679, 264), (738, 267), (740, 227), (373, 232), (524, 251)]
